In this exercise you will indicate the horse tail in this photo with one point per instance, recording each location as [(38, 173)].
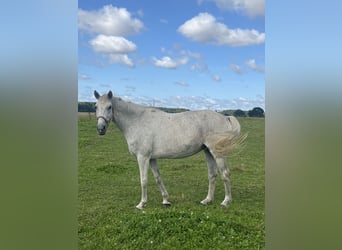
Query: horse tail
[(225, 143)]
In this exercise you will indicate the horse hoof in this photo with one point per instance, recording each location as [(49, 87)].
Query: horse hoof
[(225, 203), (206, 202), (140, 206), (166, 204)]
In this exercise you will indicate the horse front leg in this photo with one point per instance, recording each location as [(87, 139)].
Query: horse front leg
[(143, 162), (156, 174)]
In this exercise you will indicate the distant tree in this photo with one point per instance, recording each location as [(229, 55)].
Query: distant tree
[(173, 110), (82, 107), (239, 113), (86, 107), (256, 112), (227, 112), (91, 107)]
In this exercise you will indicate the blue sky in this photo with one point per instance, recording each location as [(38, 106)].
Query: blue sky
[(194, 54)]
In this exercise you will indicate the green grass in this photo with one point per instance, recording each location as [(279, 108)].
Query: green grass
[(109, 189)]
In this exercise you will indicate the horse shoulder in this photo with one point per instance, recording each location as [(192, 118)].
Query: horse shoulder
[(139, 139)]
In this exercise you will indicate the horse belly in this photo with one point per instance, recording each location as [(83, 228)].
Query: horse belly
[(176, 147)]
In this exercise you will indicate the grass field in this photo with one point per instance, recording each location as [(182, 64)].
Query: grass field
[(109, 189)]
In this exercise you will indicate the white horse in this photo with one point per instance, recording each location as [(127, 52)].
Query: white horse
[(152, 134)]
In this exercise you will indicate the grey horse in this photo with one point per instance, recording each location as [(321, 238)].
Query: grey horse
[(152, 134)]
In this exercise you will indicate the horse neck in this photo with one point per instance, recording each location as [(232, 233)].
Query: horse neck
[(125, 113)]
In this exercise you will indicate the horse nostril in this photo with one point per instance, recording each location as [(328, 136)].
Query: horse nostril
[(101, 130)]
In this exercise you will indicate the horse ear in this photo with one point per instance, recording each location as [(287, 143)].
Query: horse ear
[(96, 94), (110, 94)]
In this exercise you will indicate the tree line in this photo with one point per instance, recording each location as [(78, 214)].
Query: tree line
[(255, 112)]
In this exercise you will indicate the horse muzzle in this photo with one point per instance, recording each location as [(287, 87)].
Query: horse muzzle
[(102, 125), (101, 131)]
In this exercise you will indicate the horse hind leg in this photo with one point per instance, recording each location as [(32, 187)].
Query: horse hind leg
[(156, 174), (221, 163), (212, 173)]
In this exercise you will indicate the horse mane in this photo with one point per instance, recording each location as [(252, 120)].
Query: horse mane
[(131, 106)]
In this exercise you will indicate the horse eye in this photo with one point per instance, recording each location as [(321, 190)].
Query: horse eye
[(109, 107)]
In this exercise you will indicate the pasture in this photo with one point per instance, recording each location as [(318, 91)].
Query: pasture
[(109, 189)]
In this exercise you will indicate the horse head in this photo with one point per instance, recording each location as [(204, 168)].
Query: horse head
[(104, 111)]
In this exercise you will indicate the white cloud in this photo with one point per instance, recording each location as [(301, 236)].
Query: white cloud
[(182, 84), (216, 78), (164, 21), (200, 67), (115, 48), (112, 44), (200, 103), (111, 24), (205, 29), (169, 63), (252, 65), (191, 54), (84, 77), (236, 68), (189, 102), (251, 8), (109, 20), (122, 59)]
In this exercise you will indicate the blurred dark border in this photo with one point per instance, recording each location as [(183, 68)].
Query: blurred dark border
[(303, 125), (38, 131)]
